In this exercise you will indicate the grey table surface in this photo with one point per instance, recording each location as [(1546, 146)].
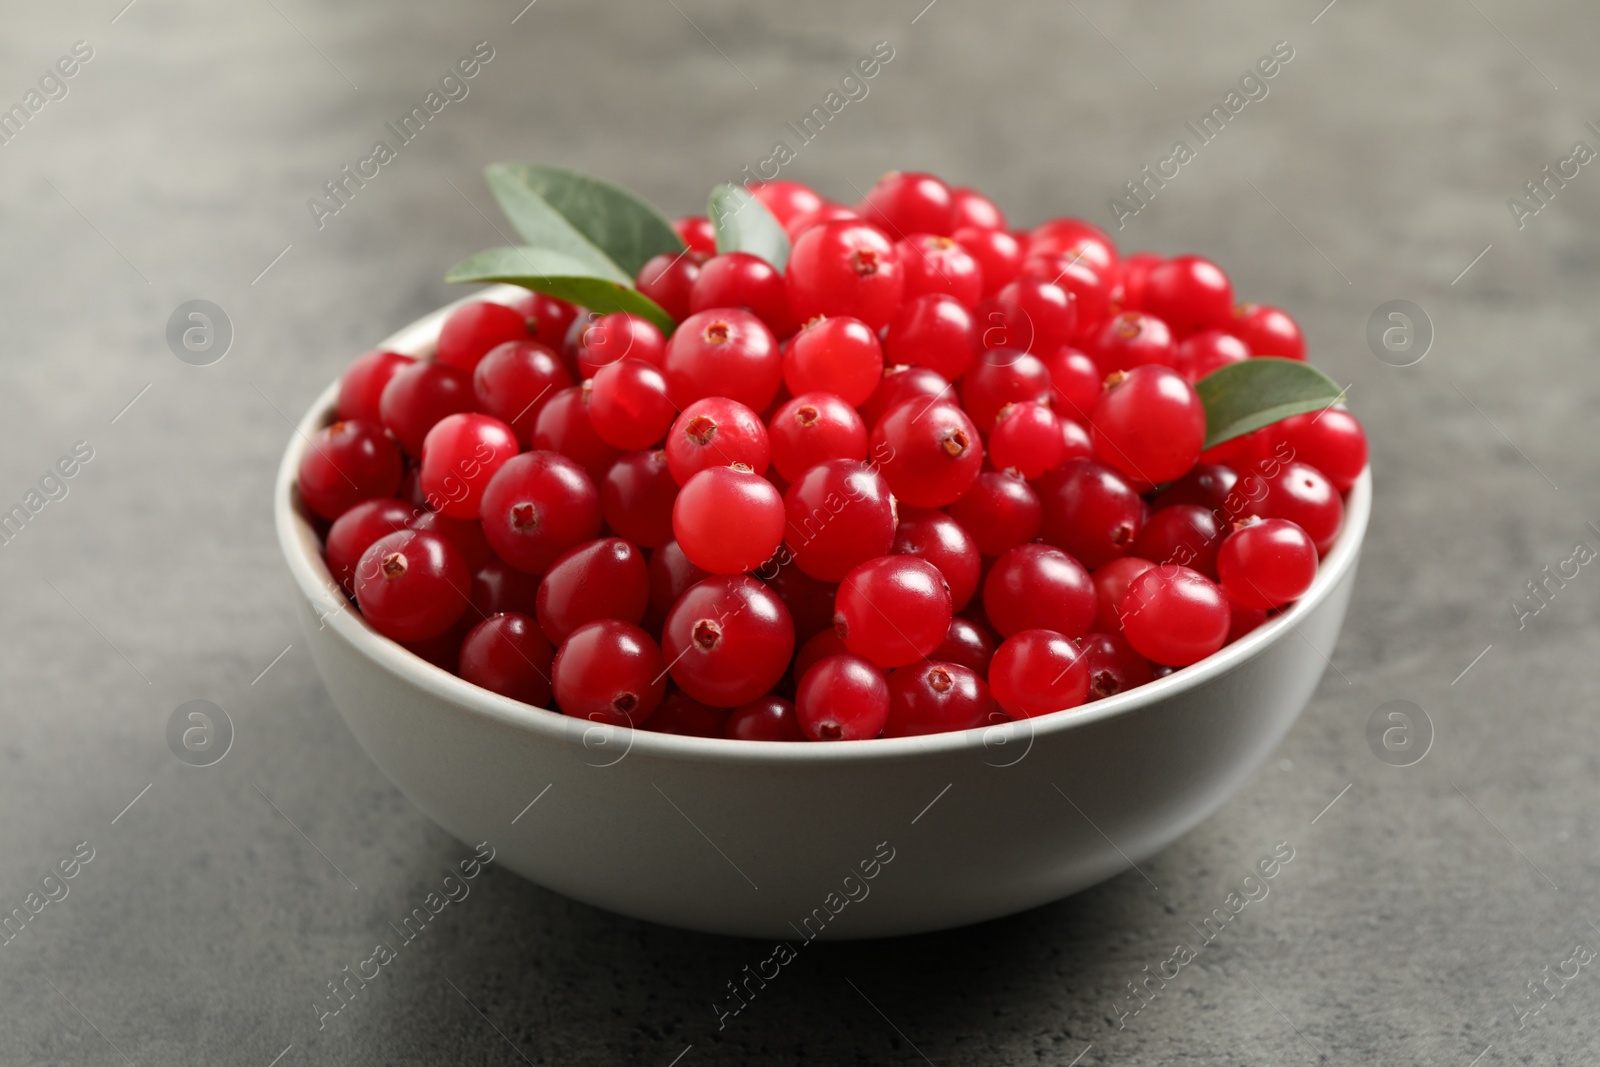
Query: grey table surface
[(1420, 905)]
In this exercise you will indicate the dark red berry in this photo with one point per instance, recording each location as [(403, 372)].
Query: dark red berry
[(819, 647), (515, 381), (507, 654), (636, 498), (945, 543), (969, 643), (899, 385), (499, 588), (361, 388), (934, 697), (564, 426), (1000, 511), (1185, 534), (604, 579), (347, 463), (728, 640), (669, 280), (412, 585), (893, 610), (1110, 582), (683, 715), (809, 600), (842, 698), (353, 532), (538, 506), (609, 671), (769, 718), (671, 575), (1000, 377), (1114, 667), (1090, 511)]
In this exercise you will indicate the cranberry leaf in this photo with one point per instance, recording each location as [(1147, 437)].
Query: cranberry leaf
[(1242, 397), (581, 216), (566, 277), (743, 224)]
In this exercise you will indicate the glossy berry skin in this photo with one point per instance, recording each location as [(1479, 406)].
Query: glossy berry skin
[(1185, 534), (973, 209), (845, 268), (818, 648), (1133, 277), (945, 543), (799, 224), (905, 202), (835, 354), (606, 339), (1110, 582), (1331, 441), (1201, 353), (669, 280), (1189, 293), (459, 456), (687, 717), (899, 385), (636, 498), (725, 352), (728, 640), (1302, 495), (1038, 587), (998, 253), (933, 331), (930, 453), (499, 588), (1266, 563), (419, 396), (893, 610), (1075, 441), (1027, 440), (1036, 672), (1039, 315), (1076, 383), (1114, 667), (769, 718), (538, 506), (465, 534), (1088, 242), (361, 387), (1133, 339), (1174, 616), (786, 199), (741, 280), (507, 654), (939, 265), (1000, 377), (546, 317), (969, 643), (564, 426), (472, 329), (671, 575), (345, 464), (609, 671), (999, 512), (515, 381), (716, 432), (1209, 485), (353, 532), (935, 697), (838, 515), (628, 404), (1149, 424), (1268, 331), (814, 428), (412, 585), (697, 233), (842, 698), (728, 520), (1091, 290), (604, 579), (1090, 511)]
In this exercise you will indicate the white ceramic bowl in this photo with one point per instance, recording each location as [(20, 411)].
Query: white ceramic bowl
[(790, 841)]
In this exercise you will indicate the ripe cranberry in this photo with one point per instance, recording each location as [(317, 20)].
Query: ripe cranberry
[(412, 585), (442, 650), (1302, 495), (1090, 511), (1090, 288), (1245, 620), (899, 385), (845, 268), (818, 648), (940, 265), (1133, 339), (515, 381), (1174, 616), (934, 697), (354, 531), (459, 456), (842, 698), (499, 588), (728, 520), (716, 432), (1076, 382), (636, 498), (507, 654), (998, 254), (628, 404), (345, 464), (726, 352), (799, 224), (1266, 563), (969, 643), (809, 600), (604, 579), (769, 718), (1027, 439), (903, 203), (1114, 667), (814, 428), (608, 339), (1036, 315), (741, 280), (1330, 440), (976, 210), (1268, 331), (564, 426), (1189, 293), (609, 671), (668, 280), (835, 354), (1000, 511), (1246, 452), (1149, 424), (1003, 376), (472, 329), (419, 396), (1039, 587), (943, 542), (1110, 582), (697, 232), (361, 387), (1128, 294), (687, 717), (465, 534), (728, 640), (931, 454), (933, 331), (1090, 243), (839, 514), (1208, 350), (536, 507), (671, 575), (1036, 672), (893, 610), (1075, 441), (546, 317), (1210, 485), (1185, 534), (787, 199)]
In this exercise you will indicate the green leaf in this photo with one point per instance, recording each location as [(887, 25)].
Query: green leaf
[(1253, 393), (560, 209), (564, 276), (743, 224)]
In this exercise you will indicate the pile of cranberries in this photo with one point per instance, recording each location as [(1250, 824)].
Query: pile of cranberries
[(933, 475)]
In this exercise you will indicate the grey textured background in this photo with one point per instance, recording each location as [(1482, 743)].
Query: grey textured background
[(1417, 907)]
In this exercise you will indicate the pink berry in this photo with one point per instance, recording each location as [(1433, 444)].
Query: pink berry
[(893, 610)]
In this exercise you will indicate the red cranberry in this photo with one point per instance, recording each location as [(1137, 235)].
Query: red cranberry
[(499, 588), (472, 329), (1037, 587), (974, 209), (1037, 315), (604, 579), (618, 336), (839, 514), (1076, 382), (1330, 440), (515, 381), (419, 396), (943, 542), (628, 404), (1090, 511), (1209, 350), (345, 464), (741, 280), (536, 507), (353, 532), (459, 456), (1092, 244), (361, 388), (1133, 339), (814, 428), (412, 585), (1134, 277), (903, 202), (636, 498), (799, 224), (728, 520), (1036, 672), (716, 432), (809, 600), (1189, 293), (668, 280), (940, 265), (1268, 331), (893, 610), (687, 717), (1266, 563), (1174, 616), (1027, 439), (819, 647), (1000, 377), (671, 575), (1000, 511), (845, 268), (1114, 667), (899, 385), (728, 640), (547, 318), (1110, 582), (697, 232), (507, 654), (933, 331), (726, 352), (1302, 495), (1149, 424), (1210, 485), (969, 643), (787, 200), (931, 452), (465, 534), (769, 718), (564, 426), (1185, 534), (835, 354), (932, 698), (842, 698), (998, 253), (609, 671)]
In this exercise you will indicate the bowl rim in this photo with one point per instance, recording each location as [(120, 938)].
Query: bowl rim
[(301, 549)]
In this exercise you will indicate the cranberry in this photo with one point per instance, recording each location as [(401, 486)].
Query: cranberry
[(933, 331), (1210, 485), (1075, 441), (1174, 616), (1266, 563), (1330, 440), (769, 718), (1244, 621), (609, 671), (345, 464), (940, 265), (547, 318), (973, 209), (1000, 511), (604, 579), (412, 585), (1302, 495), (361, 388), (899, 385), (465, 534), (1038, 587), (998, 253), (564, 426), (943, 542), (931, 452), (893, 610), (515, 381), (354, 531), (1003, 376), (1134, 277), (728, 640), (814, 428), (499, 588), (668, 280), (1185, 534), (1243, 452), (507, 654), (1114, 667), (726, 352), (472, 329), (1133, 339), (787, 199), (1090, 511), (609, 338), (536, 507), (818, 648), (697, 232), (969, 643), (1036, 672), (1189, 293), (1036, 315), (932, 698), (845, 268), (1149, 424), (683, 715), (809, 600), (835, 354), (442, 650), (1091, 290), (1110, 582), (671, 575), (1088, 242), (459, 456), (903, 203), (839, 514), (728, 520), (1206, 351), (741, 280), (716, 432), (842, 698), (1076, 382), (636, 498), (628, 404), (1027, 439), (799, 224), (1268, 331), (419, 396)]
